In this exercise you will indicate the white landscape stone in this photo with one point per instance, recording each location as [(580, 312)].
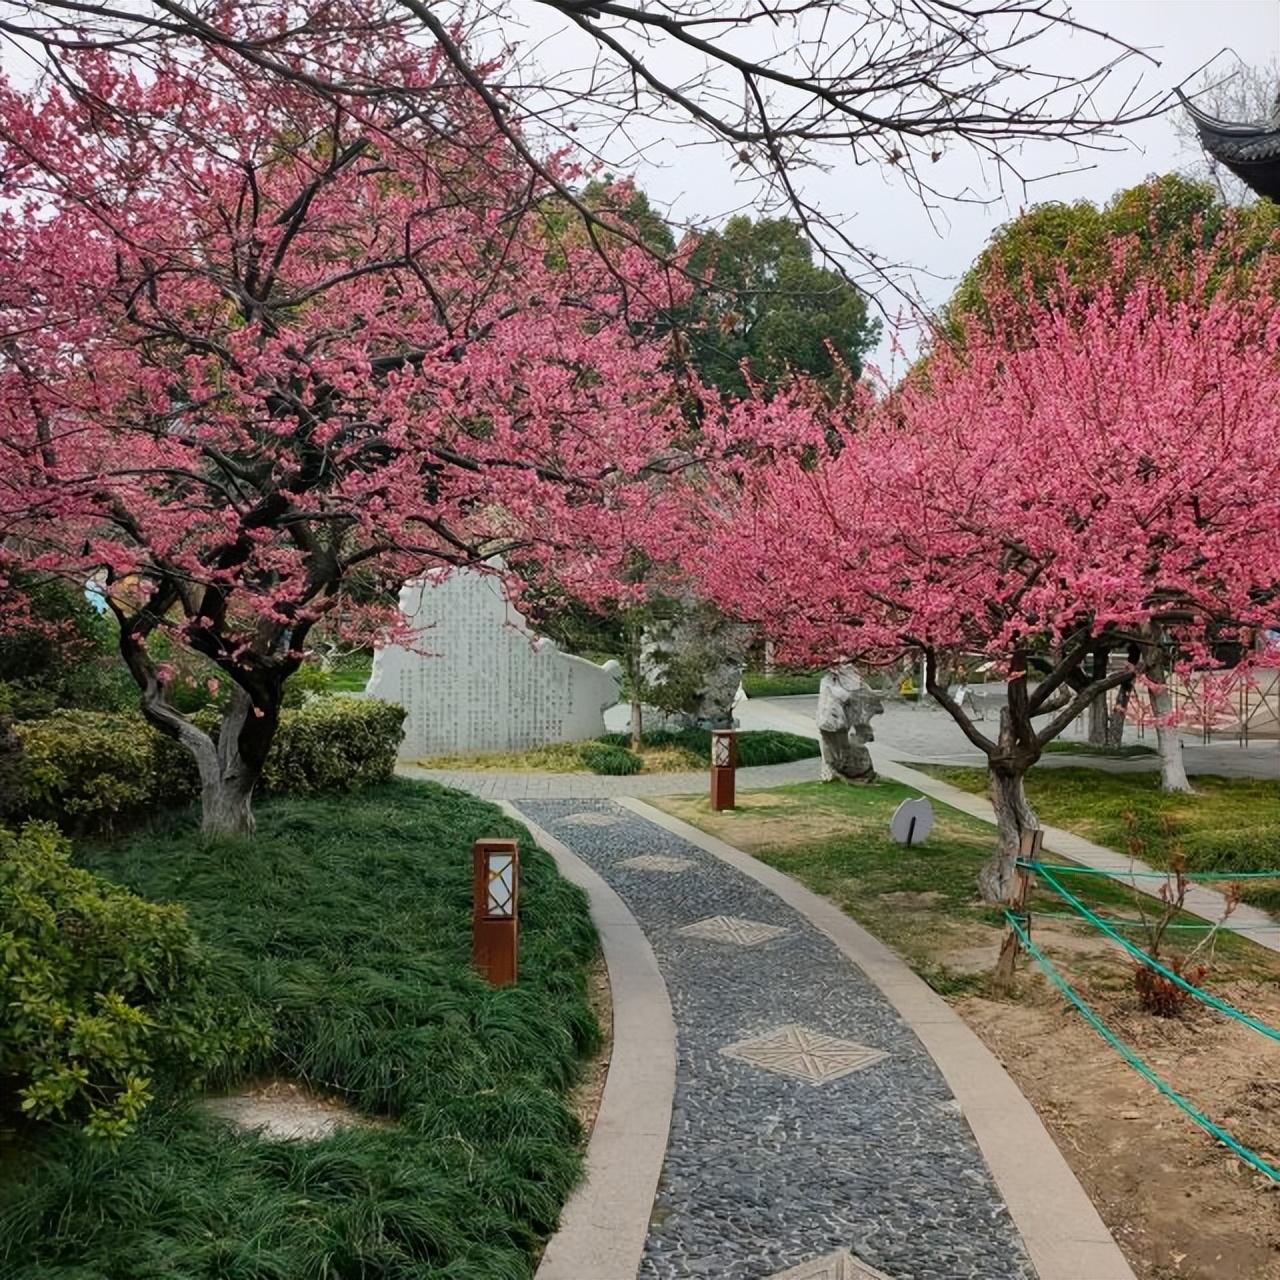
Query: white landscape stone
[(473, 677)]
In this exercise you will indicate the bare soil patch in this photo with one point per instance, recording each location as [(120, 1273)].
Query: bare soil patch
[(1181, 1206), (586, 1095)]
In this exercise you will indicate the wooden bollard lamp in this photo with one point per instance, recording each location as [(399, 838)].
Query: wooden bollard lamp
[(724, 768), (496, 886)]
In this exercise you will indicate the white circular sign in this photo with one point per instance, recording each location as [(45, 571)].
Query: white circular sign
[(912, 821)]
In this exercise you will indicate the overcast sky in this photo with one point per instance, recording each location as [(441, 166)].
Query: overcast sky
[(697, 183)]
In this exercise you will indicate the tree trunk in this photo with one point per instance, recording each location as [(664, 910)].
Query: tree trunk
[(226, 806), (1173, 770), (998, 879), (637, 723), (1098, 722), (226, 788)]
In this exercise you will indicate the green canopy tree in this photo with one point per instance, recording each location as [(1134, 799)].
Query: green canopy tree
[(768, 305), (1163, 222)]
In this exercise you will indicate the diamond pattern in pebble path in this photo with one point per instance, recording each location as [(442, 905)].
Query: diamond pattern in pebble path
[(807, 1055), (591, 820), (835, 1266), (657, 862), (743, 933)]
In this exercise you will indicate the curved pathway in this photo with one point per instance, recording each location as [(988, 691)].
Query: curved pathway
[(809, 1121)]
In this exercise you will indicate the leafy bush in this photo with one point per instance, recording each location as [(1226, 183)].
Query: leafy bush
[(103, 992), (334, 744), (10, 767), (63, 654), (90, 769), (604, 757), (97, 770), (305, 685)]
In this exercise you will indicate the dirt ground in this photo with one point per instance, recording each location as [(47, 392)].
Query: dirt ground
[(1179, 1204), (590, 1089)]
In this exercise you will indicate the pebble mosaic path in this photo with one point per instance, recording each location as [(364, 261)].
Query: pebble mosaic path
[(808, 1120)]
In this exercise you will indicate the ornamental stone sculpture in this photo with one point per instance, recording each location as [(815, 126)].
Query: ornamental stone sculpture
[(845, 708)]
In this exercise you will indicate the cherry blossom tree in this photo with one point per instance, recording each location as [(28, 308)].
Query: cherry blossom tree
[(265, 354), (1085, 474), (779, 88)]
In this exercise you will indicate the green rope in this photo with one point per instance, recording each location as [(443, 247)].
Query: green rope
[(1146, 924), (1249, 1157), (1155, 875), (1152, 963)]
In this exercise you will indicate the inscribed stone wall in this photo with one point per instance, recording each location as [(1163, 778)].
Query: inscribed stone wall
[(473, 677)]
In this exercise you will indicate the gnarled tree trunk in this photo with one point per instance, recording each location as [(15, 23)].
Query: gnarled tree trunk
[(227, 783), (998, 881)]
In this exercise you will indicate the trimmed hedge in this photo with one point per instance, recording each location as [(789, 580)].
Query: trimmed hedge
[(93, 770), (104, 993)]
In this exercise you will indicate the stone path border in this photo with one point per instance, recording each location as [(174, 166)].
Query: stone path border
[(606, 1221), (1059, 1225)]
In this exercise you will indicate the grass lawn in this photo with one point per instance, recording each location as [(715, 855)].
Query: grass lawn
[(347, 923), (922, 901), (1230, 824), (782, 684), (684, 751), (350, 675)]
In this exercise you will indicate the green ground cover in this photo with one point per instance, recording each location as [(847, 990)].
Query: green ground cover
[(346, 926), (663, 752), (921, 901), (350, 674), (781, 684), (1230, 824)]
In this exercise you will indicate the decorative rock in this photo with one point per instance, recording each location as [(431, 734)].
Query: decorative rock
[(473, 677), (912, 821), (283, 1111), (845, 708), (703, 650)]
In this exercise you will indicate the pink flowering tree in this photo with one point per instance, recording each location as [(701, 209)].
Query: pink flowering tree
[(1085, 476), (265, 352)]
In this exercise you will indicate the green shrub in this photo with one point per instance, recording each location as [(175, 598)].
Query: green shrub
[(604, 757), (782, 684), (90, 769), (64, 655), (104, 993), (96, 770), (305, 684), (334, 744)]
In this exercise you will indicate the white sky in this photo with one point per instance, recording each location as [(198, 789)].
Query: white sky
[(697, 183)]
